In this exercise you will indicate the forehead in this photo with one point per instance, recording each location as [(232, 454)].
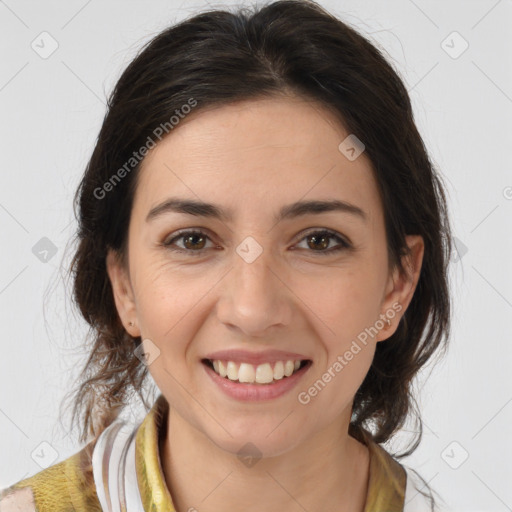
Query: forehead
[(256, 154)]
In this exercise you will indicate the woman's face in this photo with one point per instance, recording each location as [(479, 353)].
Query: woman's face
[(258, 276)]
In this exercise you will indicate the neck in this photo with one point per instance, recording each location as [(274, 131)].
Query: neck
[(326, 472)]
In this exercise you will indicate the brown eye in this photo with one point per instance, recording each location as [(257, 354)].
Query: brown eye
[(193, 242), (319, 242)]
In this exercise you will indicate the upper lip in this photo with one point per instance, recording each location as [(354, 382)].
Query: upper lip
[(244, 356)]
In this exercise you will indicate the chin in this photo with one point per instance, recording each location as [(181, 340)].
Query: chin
[(252, 439), (252, 448)]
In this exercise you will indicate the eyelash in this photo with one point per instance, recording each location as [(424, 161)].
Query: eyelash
[(322, 232)]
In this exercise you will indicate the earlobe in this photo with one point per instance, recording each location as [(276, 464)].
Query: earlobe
[(403, 284), (123, 292)]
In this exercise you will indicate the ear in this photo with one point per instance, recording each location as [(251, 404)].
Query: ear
[(401, 286), (123, 293)]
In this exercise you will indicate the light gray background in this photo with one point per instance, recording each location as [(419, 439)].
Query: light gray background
[(51, 112)]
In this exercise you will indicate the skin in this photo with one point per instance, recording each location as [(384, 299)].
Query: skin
[(254, 157)]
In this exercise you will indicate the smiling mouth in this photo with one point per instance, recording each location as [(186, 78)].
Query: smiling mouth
[(266, 373)]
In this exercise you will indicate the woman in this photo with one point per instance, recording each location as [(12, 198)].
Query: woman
[(262, 231)]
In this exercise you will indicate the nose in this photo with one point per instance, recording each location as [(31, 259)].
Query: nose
[(254, 298)]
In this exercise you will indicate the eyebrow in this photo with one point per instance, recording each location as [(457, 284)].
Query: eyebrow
[(291, 211)]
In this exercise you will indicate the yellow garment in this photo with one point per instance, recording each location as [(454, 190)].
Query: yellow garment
[(66, 486), (69, 485)]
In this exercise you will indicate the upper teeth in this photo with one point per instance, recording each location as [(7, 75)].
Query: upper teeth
[(261, 374)]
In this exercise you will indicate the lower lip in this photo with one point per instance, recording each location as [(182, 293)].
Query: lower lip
[(255, 392)]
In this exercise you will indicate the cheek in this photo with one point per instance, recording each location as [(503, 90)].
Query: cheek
[(331, 389), (168, 310), (349, 315), (345, 308), (347, 301), (166, 299)]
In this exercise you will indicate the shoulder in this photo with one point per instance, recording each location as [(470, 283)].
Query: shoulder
[(67, 485), (401, 485)]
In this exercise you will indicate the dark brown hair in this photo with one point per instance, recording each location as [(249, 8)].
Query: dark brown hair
[(219, 57)]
